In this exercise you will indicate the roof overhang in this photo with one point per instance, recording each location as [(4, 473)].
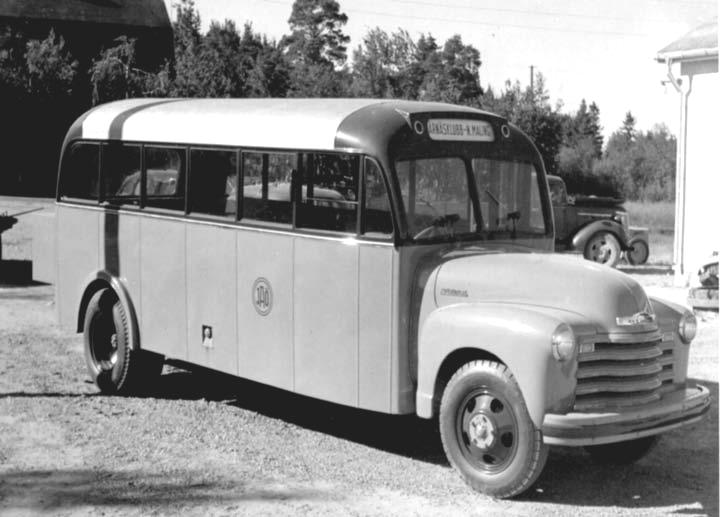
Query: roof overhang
[(688, 55)]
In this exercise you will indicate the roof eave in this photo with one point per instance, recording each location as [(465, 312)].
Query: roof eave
[(687, 55)]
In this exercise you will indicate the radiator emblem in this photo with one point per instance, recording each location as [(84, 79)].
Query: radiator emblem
[(639, 318)]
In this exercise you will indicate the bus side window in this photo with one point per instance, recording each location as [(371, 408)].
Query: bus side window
[(267, 186), (213, 182), (329, 193), (79, 173), (164, 177), (121, 174), (378, 219)]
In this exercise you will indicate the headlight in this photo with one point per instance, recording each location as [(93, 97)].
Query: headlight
[(563, 342), (622, 218), (687, 327)]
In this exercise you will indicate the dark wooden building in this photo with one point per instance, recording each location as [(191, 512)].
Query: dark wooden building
[(31, 132)]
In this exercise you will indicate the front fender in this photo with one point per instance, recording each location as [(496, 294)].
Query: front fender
[(668, 318), (520, 336), (604, 225), (99, 280)]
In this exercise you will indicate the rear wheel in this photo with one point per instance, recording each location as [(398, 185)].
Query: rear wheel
[(603, 248), (622, 453), (487, 433), (112, 364)]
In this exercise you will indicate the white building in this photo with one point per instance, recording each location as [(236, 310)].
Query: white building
[(692, 68)]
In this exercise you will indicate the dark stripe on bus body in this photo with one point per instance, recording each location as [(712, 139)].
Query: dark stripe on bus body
[(115, 129)]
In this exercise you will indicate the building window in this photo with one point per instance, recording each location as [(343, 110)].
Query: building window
[(267, 186), (213, 182), (164, 177), (329, 197), (79, 174)]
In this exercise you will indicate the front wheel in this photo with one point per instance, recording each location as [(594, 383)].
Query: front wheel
[(603, 248), (112, 364), (487, 433), (622, 453)]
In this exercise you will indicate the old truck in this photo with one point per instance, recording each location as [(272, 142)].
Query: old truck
[(598, 227)]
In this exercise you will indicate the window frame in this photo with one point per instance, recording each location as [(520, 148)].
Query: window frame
[(183, 172), (64, 171), (240, 153), (190, 171)]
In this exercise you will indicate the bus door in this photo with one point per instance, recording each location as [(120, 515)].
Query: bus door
[(342, 285), (211, 259), (264, 270)]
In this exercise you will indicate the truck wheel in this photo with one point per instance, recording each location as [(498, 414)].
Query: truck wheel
[(604, 248), (113, 366), (638, 252), (487, 433), (622, 453)]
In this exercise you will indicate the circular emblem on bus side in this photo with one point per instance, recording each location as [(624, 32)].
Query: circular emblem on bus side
[(418, 127), (262, 296), (505, 131)]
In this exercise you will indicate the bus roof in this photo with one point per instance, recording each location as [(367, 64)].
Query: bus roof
[(316, 124)]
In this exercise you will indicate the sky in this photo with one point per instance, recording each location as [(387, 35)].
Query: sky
[(602, 52)]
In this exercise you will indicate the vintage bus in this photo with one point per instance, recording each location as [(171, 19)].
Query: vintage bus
[(388, 255)]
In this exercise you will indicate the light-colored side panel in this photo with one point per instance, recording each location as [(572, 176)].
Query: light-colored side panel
[(119, 251), (265, 341), (212, 296), (326, 317), (163, 280), (77, 244), (376, 290), (43, 245)]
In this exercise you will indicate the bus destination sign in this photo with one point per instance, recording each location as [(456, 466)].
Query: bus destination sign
[(460, 130)]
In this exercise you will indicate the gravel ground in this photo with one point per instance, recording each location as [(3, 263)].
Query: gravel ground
[(207, 444)]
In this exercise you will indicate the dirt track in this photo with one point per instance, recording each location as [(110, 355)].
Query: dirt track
[(206, 444)]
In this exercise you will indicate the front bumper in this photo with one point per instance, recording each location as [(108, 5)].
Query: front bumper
[(673, 410)]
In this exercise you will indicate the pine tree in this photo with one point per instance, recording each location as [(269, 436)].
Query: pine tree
[(316, 48)]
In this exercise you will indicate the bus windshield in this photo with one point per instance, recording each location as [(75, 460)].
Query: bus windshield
[(437, 200)]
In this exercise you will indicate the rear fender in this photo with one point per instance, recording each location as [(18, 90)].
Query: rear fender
[(100, 280), (519, 336), (583, 235)]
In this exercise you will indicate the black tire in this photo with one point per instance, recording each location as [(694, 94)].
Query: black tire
[(112, 364), (638, 252), (603, 248), (507, 453), (622, 453)]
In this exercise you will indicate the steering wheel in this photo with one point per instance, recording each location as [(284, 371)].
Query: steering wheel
[(436, 226)]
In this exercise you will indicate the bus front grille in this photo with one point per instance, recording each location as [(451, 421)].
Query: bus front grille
[(617, 376)]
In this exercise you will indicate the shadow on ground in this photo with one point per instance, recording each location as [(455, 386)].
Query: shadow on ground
[(65, 489), (406, 435), (681, 470)]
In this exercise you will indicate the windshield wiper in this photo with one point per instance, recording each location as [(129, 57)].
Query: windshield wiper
[(488, 192)]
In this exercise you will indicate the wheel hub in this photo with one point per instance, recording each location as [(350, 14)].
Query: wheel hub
[(482, 431)]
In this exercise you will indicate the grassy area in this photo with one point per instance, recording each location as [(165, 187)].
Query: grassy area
[(659, 217), (17, 241)]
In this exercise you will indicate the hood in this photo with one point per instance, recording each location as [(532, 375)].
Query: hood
[(598, 201), (597, 293)]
